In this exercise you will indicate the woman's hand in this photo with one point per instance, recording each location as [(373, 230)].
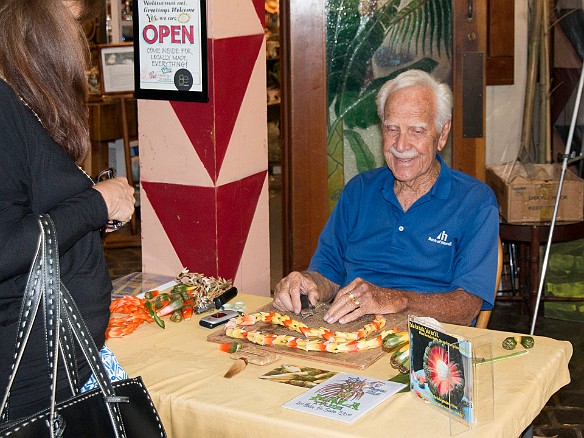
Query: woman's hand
[(360, 298), (119, 198)]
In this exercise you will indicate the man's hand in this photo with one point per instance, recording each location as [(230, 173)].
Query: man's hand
[(289, 289), (360, 298)]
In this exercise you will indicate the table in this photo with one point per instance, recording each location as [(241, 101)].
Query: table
[(184, 375), (530, 237)]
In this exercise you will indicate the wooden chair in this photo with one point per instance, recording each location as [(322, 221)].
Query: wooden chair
[(485, 315)]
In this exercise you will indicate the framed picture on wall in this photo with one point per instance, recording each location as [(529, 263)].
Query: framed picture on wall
[(170, 46), (116, 64)]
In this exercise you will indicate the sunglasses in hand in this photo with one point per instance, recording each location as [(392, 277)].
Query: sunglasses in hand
[(109, 173)]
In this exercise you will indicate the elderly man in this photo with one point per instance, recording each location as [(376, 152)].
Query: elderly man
[(415, 237)]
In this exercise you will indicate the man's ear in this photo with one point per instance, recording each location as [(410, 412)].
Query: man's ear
[(444, 135)]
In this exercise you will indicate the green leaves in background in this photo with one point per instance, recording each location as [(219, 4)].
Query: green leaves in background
[(423, 24), (356, 30), (365, 159), (336, 179)]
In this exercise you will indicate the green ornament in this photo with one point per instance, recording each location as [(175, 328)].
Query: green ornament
[(509, 343), (527, 341)]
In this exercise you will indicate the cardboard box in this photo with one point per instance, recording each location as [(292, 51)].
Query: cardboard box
[(527, 193)]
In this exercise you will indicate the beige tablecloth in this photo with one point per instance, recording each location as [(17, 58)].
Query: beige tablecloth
[(184, 375)]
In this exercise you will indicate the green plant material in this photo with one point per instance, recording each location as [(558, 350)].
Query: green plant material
[(417, 21), (180, 291), (527, 341), (400, 358), (151, 294), (179, 288), (355, 35), (230, 347), (362, 111), (365, 159), (395, 340), (177, 296), (171, 307), (335, 163), (480, 360), (176, 316), (234, 346), (185, 296), (352, 40), (153, 314), (163, 297), (509, 343)]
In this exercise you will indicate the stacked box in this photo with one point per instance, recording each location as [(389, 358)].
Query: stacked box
[(527, 193)]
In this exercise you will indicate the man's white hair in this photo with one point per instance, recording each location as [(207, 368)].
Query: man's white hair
[(419, 78)]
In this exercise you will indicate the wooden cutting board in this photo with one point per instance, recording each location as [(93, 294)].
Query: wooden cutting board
[(359, 359)]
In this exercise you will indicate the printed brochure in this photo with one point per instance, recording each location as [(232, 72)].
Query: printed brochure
[(344, 397)]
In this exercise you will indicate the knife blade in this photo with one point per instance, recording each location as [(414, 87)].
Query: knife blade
[(307, 309)]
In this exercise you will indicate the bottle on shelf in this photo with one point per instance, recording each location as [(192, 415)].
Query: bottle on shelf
[(108, 29), (127, 11)]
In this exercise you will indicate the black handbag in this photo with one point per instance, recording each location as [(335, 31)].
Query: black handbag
[(120, 409)]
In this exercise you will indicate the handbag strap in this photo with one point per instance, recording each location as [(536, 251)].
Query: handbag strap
[(51, 306), (67, 350), (27, 315), (63, 321)]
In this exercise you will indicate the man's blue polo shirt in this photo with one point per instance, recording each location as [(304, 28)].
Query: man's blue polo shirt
[(446, 240)]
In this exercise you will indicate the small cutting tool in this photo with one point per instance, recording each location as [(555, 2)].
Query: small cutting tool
[(307, 309)]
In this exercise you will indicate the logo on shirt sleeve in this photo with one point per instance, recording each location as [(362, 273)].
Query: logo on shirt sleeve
[(441, 239)]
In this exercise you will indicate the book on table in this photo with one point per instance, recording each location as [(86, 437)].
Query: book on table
[(452, 373)]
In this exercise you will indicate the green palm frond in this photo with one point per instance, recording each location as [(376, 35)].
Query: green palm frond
[(422, 24), (364, 157), (363, 111), (352, 40), (386, 30)]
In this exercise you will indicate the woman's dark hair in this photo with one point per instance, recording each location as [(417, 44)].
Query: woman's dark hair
[(43, 56)]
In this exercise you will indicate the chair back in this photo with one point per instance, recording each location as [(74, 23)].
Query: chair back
[(485, 315)]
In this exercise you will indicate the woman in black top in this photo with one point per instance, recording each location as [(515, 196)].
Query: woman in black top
[(43, 138)]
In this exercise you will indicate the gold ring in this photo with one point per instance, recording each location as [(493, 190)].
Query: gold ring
[(354, 299)]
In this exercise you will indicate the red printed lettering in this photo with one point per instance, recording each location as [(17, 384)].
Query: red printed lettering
[(178, 34)]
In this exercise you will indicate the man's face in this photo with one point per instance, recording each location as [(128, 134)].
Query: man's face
[(410, 137)]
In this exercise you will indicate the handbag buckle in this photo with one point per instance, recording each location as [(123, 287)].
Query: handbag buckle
[(116, 399), (58, 425)]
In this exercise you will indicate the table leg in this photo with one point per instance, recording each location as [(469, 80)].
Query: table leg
[(524, 276), (533, 268)]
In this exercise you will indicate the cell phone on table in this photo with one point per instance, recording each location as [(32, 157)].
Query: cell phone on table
[(218, 318)]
